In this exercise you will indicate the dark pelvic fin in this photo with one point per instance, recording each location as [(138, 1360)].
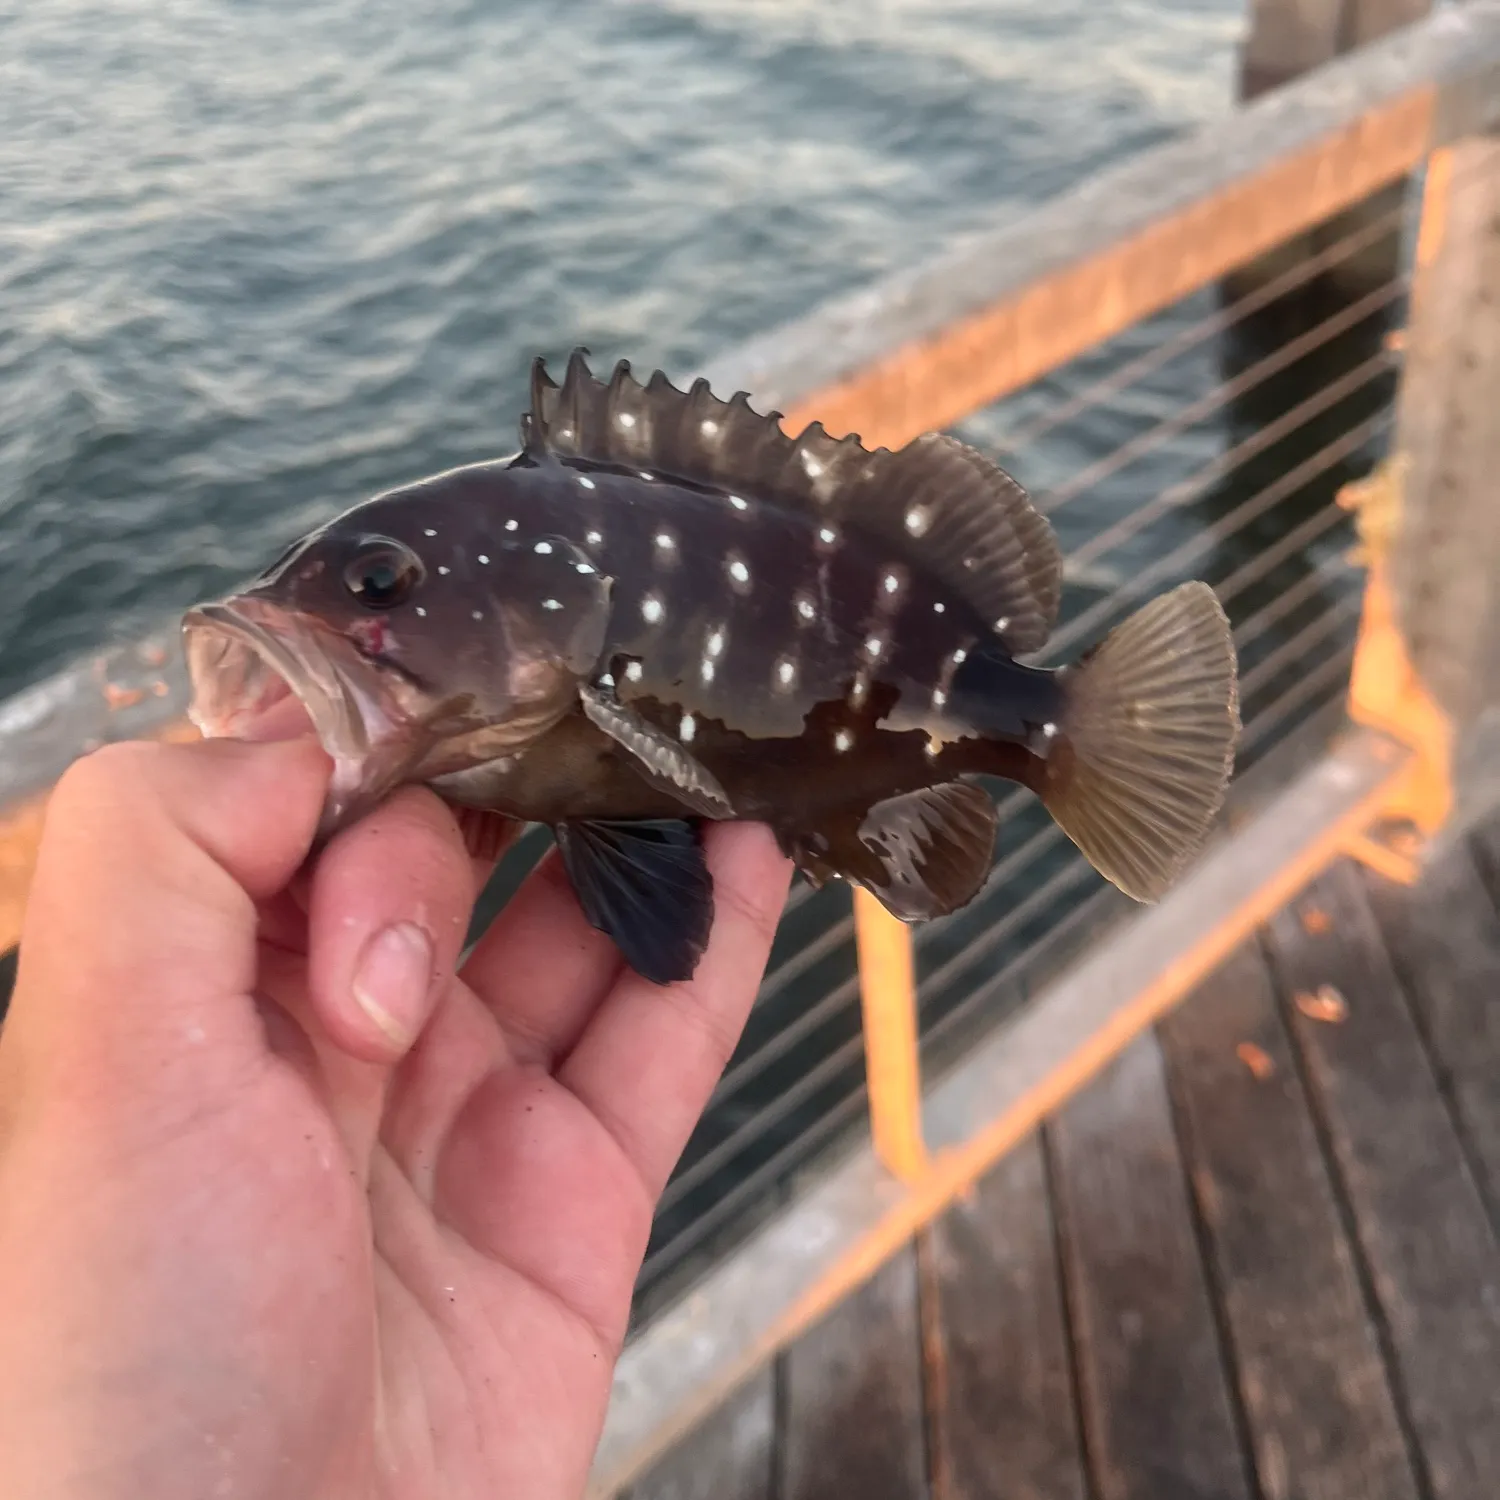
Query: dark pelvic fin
[(646, 886), (486, 835), (922, 854), (658, 757), (1146, 741), (936, 502)]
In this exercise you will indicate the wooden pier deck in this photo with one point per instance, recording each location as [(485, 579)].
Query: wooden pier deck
[(1255, 1258)]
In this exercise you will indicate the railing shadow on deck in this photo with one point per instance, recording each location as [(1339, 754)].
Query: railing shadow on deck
[(1176, 417)]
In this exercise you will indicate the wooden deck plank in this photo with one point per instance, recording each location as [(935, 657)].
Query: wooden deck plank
[(1421, 1224), (728, 1457), (1005, 1416), (854, 1397), (1444, 938), (1322, 1418), (1158, 1416)]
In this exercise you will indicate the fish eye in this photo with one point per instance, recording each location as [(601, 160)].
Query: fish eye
[(383, 574)]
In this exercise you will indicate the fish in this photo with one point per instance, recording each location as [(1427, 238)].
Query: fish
[(663, 610)]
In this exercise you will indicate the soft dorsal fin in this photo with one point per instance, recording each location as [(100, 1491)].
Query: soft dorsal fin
[(936, 502)]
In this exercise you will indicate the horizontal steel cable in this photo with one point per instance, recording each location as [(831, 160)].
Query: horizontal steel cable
[(1287, 651), (766, 1118), (1190, 488), (1078, 629), (1325, 675), (1200, 331), (1273, 363), (683, 1243)]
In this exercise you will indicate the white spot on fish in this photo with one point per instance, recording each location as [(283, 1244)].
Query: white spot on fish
[(1049, 730), (708, 427), (484, 557), (428, 531), (805, 607), (860, 691), (874, 646), (586, 482), (594, 538), (625, 419), (578, 567), (646, 474), (842, 741), (939, 697), (715, 643), (960, 657), (543, 547), (607, 680), (813, 467), (738, 503), (786, 672), (422, 612), (478, 614), (666, 541), (916, 519), (687, 729), (511, 525), (739, 571), (706, 671), (891, 582), (827, 535), (633, 670), (551, 604), (934, 747), (651, 609), (937, 609), (442, 569), (1002, 624)]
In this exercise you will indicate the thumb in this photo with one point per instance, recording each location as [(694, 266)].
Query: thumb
[(139, 941)]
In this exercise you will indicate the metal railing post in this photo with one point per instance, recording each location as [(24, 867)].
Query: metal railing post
[(888, 1002), (1427, 666)]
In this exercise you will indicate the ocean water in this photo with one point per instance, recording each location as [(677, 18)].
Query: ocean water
[(260, 259)]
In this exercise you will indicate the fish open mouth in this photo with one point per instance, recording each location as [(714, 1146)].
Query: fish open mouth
[(259, 671)]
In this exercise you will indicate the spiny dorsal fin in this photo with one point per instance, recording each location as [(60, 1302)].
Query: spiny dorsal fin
[(936, 501), (974, 527)]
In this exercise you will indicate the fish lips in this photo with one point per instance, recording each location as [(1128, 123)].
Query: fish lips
[(259, 670)]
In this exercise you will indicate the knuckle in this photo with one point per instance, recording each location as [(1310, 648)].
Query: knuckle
[(755, 912), (103, 779), (703, 1012)]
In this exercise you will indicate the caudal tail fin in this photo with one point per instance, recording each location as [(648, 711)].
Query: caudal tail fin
[(1146, 741)]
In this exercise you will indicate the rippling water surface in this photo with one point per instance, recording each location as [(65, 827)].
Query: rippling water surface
[(259, 260)]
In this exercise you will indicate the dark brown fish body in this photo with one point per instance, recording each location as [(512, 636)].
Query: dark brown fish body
[(664, 609)]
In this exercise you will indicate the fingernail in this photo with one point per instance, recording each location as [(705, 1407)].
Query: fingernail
[(392, 979)]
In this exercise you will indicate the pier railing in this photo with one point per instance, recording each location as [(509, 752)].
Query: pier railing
[(1263, 355)]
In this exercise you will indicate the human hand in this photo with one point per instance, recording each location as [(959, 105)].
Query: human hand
[(257, 1240)]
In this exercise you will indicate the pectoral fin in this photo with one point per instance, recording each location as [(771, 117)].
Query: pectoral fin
[(921, 855), (644, 884), (659, 758)]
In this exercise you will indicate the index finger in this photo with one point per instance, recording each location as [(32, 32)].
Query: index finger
[(648, 1060)]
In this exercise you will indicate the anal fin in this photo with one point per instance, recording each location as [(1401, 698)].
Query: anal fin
[(659, 758), (645, 884), (921, 854)]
